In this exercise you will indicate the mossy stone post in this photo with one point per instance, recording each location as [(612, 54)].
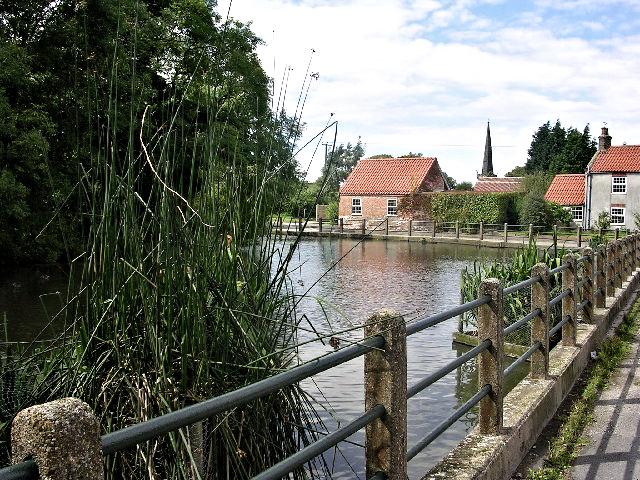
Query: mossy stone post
[(62, 437), (600, 277), (490, 361), (587, 288), (385, 382), (569, 302), (610, 280), (540, 324)]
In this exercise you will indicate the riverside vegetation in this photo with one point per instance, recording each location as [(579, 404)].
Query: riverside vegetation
[(155, 161)]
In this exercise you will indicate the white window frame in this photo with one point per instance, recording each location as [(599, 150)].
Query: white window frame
[(618, 184), (575, 209), (619, 214), (356, 206), (392, 207)]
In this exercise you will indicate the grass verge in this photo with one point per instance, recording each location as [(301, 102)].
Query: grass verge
[(564, 447)]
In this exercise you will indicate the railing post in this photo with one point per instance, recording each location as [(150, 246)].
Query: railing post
[(320, 224), (481, 230), (62, 436), (587, 288), (490, 361), (600, 283), (299, 224), (364, 226), (617, 263), (569, 302), (617, 233), (530, 232), (341, 222), (610, 275), (386, 227), (457, 229), (385, 380), (506, 233), (433, 234), (540, 324), (579, 234), (555, 231), (410, 227)]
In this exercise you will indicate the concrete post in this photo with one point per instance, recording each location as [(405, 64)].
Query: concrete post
[(600, 278), (610, 280), (530, 232), (341, 222), (433, 234), (506, 233), (490, 361), (540, 324), (587, 288), (385, 381), (579, 234), (481, 230), (62, 437), (457, 229), (410, 227), (569, 302)]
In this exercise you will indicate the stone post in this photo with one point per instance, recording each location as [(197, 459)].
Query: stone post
[(410, 227), (569, 302), (299, 224), (506, 233), (540, 324), (385, 381), (600, 278), (610, 280), (457, 229), (364, 226), (617, 263), (579, 234), (490, 361), (587, 288), (481, 230), (341, 222), (433, 233), (62, 437), (320, 224), (386, 227), (617, 233)]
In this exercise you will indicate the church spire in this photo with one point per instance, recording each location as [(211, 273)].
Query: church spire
[(487, 162)]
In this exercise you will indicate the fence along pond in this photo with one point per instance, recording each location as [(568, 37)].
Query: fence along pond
[(386, 390)]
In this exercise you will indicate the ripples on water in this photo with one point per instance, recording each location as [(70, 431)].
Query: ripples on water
[(414, 279)]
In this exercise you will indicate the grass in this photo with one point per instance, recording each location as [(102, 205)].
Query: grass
[(565, 446)]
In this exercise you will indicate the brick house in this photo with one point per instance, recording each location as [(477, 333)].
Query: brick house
[(375, 187), (613, 183), (568, 191)]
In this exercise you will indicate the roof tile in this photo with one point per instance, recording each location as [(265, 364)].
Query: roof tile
[(566, 189), (387, 176), (622, 158)]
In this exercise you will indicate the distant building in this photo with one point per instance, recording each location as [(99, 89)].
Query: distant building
[(498, 184), (568, 191), (375, 187)]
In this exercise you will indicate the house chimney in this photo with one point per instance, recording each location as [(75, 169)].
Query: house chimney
[(604, 140)]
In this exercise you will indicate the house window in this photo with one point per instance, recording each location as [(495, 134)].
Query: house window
[(617, 215), (618, 184), (392, 206), (356, 206), (576, 213)]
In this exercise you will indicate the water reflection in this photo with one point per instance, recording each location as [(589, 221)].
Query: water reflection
[(415, 279)]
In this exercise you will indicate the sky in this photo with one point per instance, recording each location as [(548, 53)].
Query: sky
[(425, 76)]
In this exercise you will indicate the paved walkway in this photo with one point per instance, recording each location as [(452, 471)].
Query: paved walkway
[(613, 440)]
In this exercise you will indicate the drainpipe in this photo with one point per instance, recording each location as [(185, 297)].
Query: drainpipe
[(588, 199)]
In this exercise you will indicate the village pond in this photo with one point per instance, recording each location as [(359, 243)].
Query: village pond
[(344, 281)]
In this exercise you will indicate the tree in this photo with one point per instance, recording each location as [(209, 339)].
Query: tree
[(464, 186), (518, 171), (411, 155), (382, 155), (450, 180), (337, 167)]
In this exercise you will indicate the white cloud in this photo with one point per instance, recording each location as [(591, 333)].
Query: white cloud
[(422, 75)]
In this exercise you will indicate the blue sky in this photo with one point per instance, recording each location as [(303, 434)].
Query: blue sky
[(426, 75)]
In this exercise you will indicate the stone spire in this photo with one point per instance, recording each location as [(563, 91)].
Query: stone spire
[(487, 162)]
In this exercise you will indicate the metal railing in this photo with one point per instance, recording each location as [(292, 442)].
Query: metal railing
[(386, 392)]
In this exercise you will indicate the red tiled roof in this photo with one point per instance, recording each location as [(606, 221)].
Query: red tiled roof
[(566, 189), (497, 184), (387, 176), (622, 158)]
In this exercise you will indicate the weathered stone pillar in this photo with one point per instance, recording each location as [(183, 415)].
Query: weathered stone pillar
[(540, 324), (385, 380), (62, 437), (569, 302), (490, 361), (600, 278), (587, 288)]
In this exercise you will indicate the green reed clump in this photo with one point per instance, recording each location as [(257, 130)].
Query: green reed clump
[(518, 304)]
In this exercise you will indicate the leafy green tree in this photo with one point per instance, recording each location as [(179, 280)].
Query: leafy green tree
[(338, 165), (450, 180), (411, 155), (464, 186), (382, 155), (518, 171)]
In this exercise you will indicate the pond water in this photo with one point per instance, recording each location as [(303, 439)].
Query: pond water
[(415, 279)]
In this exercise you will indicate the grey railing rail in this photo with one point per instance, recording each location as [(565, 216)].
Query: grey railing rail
[(619, 259)]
